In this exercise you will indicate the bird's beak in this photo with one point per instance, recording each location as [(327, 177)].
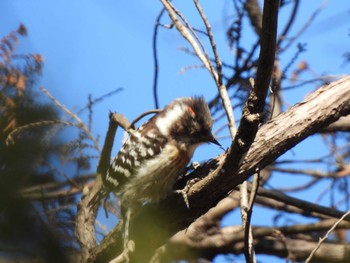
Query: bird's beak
[(213, 140)]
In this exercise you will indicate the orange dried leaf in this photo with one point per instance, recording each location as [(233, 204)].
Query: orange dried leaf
[(11, 80), (38, 58), (21, 84), (302, 66)]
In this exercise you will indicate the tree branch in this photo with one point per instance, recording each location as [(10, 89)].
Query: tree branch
[(86, 216), (160, 221), (252, 114), (204, 238)]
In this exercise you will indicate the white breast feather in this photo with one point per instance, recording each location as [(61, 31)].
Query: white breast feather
[(155, 178)]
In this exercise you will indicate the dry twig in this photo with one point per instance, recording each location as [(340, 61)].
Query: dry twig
[(326, 236)]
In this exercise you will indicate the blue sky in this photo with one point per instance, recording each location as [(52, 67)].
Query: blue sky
[(97, 46), (94, 47)]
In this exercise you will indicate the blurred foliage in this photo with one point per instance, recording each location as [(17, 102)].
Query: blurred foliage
[(28, 226)]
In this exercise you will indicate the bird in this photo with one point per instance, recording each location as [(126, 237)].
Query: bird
[(154, 156)]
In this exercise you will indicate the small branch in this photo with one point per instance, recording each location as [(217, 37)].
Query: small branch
[(155, 59), (246, 217), (53, 194), (185, 33), (200, 52), (289, 23), (306, 25), (313, 173), (253, 109), (99, 99), (82, 179), (249, 252), (326, 236), (80, 123), (254, 106), (254, 190), (131, 125), (307, 207), (19, 130), (302, 187), (221, 87)]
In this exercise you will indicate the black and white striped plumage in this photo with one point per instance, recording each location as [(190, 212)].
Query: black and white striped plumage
[(154, 156)]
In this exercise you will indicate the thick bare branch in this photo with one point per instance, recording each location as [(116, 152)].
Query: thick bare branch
[(254, 106), (319, 109), (204, 238)]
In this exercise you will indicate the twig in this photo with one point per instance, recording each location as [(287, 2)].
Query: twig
[(218, 79), (254, 106), (185, 68), (56, 185), (53, 194), (314, 173), (131, 125), (190, 52), (243, 190), (99, 99), (289, 23), (322, 79), (61, 173), (300, 187), (249, 252), (254, 191), (60, 105), (89, 107), (155, 59), (326, 236), (307, 207), (249, 57), (307, 24), (301, 48), (38, 124), (194, 35), (188, 33), (81, 124), (246, 211)]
